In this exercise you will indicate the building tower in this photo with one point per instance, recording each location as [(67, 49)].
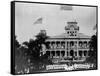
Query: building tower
[(72, 29)]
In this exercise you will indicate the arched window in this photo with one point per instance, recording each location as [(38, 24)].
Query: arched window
[(57, 53), (72, 43), (58, 44), (53, 53), (85, 53), (80, 44), (80, 53), (63, 44), (75, 53), (68, 32), (71, 53), (62, 53), (85, 44)]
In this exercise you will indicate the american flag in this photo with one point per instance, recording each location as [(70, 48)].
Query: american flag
[(39, 21)]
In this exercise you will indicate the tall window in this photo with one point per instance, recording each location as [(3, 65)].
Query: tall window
[(85, 53), (80, 53), (75, 53)]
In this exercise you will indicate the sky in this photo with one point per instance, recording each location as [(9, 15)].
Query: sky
[(54, 19)]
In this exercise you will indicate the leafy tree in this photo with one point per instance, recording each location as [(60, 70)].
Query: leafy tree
[(93, 51), (93, 43), (93, 48), (34, 48), (21, 61), (17, 45)]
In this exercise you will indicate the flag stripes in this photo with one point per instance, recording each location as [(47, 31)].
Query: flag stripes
[(38, 21)]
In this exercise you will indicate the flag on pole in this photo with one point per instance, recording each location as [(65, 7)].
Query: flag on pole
[(66, 7), (38, 21)]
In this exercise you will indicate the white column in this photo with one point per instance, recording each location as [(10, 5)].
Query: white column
[(69, 53), (77, 48), (65, 53), (50, 45), (82, 53), (60, 53), (68, 48), (50, 54), (87, 53), (65, 45), (54, 53), (60, 44), (86, 44)]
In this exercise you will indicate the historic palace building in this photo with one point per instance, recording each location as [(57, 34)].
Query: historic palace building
[(70, 44)]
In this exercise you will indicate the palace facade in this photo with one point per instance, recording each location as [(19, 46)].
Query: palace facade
[(70, 44)]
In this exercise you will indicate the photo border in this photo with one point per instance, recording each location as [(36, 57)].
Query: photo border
[(13, 34)]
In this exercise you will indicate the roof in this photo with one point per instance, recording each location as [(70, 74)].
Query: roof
[(64, 35)]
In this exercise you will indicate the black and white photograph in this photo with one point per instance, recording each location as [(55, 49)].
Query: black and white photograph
[(53, 37)]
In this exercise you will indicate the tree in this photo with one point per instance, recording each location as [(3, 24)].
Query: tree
[(93, 47), (93, 43), (34, 48), (17, 45), (93, 51), (29, 46), (21, 61)]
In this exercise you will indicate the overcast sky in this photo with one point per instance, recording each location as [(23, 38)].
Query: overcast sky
[(54, 19)]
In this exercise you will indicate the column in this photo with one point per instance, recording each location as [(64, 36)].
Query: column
[(86, 44), (55, 45), (68, 48), (60, 44), (77, 48), (50, 54), (69, 53), (76, 44), (75, 53), (65, 54), (65, 44), (65, 49), (50, 45), (87, 53), (82, 53), (60, 53)]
